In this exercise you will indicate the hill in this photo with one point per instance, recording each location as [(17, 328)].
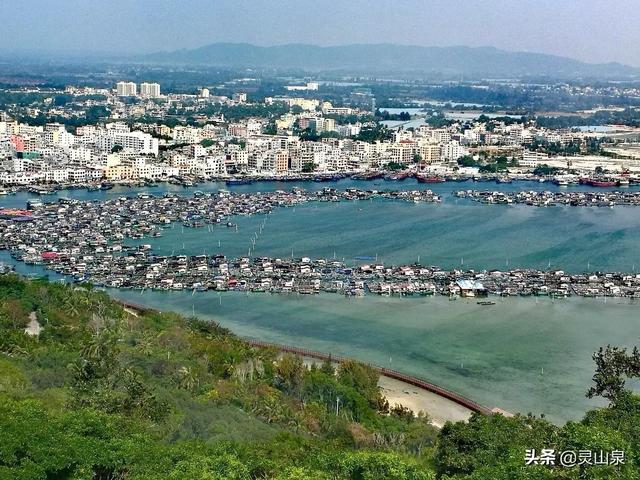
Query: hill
[(90, 389), (448, 61)]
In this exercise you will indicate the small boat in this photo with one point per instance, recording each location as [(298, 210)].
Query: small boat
[(486, 302), (239, 181)]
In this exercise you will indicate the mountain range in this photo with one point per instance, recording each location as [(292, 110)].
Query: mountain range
[(449, 61)]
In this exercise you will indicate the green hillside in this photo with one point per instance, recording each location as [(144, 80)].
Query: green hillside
[(90, 390)]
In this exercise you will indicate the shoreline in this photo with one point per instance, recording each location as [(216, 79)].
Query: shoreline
[(409, 381), (45, 188), (441, 404)]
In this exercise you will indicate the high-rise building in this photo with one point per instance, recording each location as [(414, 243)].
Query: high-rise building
[(240, 97), (150, 89), (126, 89), (204, 93)]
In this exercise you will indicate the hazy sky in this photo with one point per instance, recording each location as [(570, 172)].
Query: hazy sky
[(590, 30)]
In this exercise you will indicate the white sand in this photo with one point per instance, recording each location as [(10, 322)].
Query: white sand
[(440, 409)]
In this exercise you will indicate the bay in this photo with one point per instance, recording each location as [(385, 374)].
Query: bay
[(523, 354)]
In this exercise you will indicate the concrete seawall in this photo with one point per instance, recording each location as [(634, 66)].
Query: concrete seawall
[(386, 372), (408, 379)]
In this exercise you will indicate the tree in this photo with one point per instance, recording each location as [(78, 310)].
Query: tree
[(308, 167), (613, 364), (116, 148), (221, 467), (362, 378), (270, 129), (309, 135), (467, 161), (290, 373), (395, 166), (15, 312), (543, 170)]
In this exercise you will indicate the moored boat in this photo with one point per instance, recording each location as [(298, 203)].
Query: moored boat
[(429, 179)]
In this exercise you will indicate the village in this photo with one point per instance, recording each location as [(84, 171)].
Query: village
[(548, 198)]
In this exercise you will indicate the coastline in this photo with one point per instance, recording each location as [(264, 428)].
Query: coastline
[(440, 404), (409, 380)]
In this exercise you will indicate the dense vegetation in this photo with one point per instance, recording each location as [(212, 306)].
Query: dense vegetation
[(102, 392)]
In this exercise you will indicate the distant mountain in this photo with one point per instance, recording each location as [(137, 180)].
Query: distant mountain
[(482, 61)]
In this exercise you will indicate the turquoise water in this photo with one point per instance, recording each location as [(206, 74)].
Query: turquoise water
[(523, 354), (453, 234)]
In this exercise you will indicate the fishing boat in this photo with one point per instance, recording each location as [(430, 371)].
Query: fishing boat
[(600, 182), (429, 179), (33, 204)]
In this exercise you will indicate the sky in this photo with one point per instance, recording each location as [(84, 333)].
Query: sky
[(589, 30)]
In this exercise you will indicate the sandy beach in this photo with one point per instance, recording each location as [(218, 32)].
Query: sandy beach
[(439, 409)]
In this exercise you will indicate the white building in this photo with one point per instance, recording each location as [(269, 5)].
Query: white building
[(126, 89), (150, 89), (452, 151), (137, 142)]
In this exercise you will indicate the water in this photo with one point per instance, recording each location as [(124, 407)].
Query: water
[(409, 110), (456, 233), (596, 128), (472, 115), (415, 123), (495, 355), (19, 200)]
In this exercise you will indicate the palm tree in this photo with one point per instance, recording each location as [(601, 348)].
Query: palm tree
[(188, 378)]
